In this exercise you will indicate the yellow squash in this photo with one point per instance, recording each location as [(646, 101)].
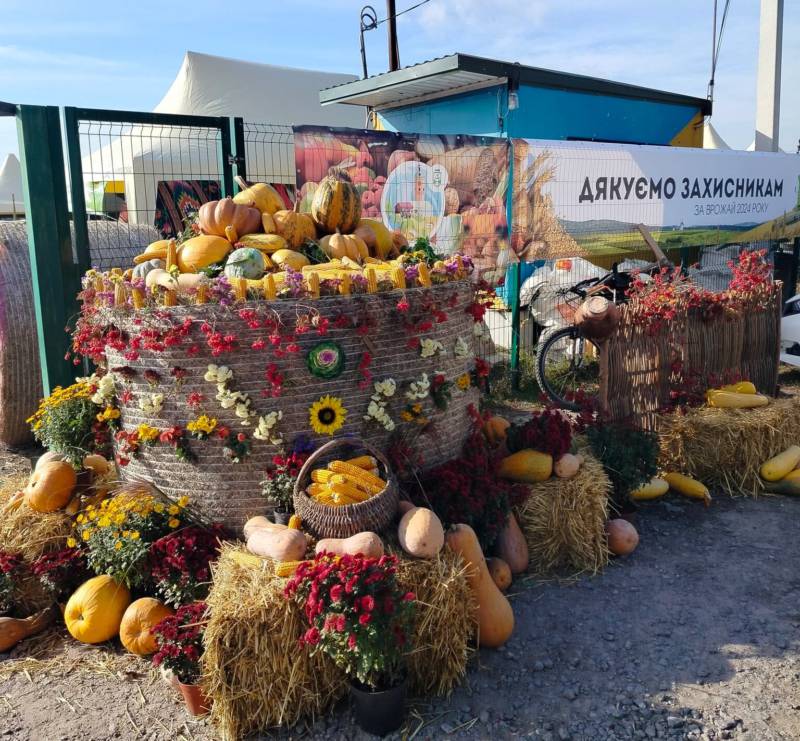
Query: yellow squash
[(527, 466), (734, 400), (688, 486), (743, 387), (776, 468), (653, 489)]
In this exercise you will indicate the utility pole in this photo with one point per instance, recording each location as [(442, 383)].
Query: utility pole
[(391, 29), (768, 86)]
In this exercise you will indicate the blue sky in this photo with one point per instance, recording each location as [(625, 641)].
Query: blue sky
[(100, 54)]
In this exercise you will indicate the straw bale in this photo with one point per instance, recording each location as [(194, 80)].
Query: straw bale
[(563, 521), (258, 675), (724, 448)]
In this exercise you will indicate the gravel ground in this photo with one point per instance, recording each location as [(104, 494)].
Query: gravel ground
[(694, 636)]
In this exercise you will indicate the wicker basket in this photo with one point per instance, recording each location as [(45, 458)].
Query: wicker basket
[(324, 521)]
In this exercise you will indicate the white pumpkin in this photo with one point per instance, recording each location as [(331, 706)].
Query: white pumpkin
[(143, 268)]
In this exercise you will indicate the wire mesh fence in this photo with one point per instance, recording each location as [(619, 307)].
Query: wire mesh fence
[(269, 153)]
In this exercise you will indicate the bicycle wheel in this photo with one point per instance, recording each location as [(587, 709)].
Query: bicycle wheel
[(567, 366)]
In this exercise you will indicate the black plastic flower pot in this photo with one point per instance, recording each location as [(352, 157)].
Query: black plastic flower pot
[(281, 517), (379, 712)]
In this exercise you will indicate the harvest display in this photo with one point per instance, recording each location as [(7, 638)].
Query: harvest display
[(279, 482)]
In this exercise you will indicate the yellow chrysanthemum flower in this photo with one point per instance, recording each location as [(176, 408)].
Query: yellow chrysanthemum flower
[(183, 501), (71, 542), (158, 508), (174, 522), (117, 545), (173, 509), (135, 535), (86, 535), (463, 381), (327, 415)]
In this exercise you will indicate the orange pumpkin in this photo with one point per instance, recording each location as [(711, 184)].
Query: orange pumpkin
[(495, 429), (134, 630), (622, 537), (336, 205), (344, 245), (50, 486), (294, 227), (215, 218)]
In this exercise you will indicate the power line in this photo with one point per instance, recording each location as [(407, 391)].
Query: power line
[(403, 12), (716, 45)]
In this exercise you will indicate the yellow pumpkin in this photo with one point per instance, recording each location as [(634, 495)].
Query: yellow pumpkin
[(94, 611), (294, 227), (200, 252), (261, 196), (50, 486), (336, 205), (377, 237), (134, 630), (289, 259), (338, 246), (48, 457)]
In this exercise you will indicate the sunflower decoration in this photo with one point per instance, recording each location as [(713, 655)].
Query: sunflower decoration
[(326, 415), (326, 359)]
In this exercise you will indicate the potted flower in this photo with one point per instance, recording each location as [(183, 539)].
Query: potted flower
[(61, 572), (360, 616), (278, 487), (180, 563), (11, 565), (179, 638)]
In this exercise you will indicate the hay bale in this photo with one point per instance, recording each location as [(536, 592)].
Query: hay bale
[(260, 678), (445, 622), (724, 448), (563, 521)]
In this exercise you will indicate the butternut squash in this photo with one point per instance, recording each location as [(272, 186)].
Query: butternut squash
[(14, 630), (421, 533), (500, 572), (526, 466), (367, 544), (494, 613), (281, 545), (259, 522), (512, 547)]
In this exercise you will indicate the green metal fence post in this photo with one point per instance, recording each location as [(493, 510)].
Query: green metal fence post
[(76, 188), (516, 271), (239, 152), (53, 270), (224, 154)]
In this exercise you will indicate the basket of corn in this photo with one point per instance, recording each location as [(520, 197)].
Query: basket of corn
[(345, 487)]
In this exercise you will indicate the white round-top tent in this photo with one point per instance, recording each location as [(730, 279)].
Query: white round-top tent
[(711, 138), (137, 157), (11, 199)]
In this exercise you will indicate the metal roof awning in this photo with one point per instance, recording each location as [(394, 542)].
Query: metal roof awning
[(457, 73)]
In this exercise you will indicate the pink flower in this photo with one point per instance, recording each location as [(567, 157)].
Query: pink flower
[(351, 642), (403, 305), (311, 636), (364, 618)]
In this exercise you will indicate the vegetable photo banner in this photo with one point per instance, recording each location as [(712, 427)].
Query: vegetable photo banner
[(584, 199), (450, 189)]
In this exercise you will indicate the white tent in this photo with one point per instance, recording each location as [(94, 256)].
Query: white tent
[(269, 98), (711, 139), (11, 199)]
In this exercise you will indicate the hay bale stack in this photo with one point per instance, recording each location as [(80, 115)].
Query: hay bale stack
[(564, 521), (260, 678), (445, 622), (724, 448)]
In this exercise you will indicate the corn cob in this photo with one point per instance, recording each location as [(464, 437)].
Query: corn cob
[(424, 275), (321, 475), (269, 287), (344, 286), (372, 484), (372, 280), (349, 491), (316, 489), (286, 568), (349, 263), (363, 461), (295, 521), (399, 277), (313, 284)]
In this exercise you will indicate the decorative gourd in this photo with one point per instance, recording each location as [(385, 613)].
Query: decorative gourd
[(94, 611), (261, 196), (50, 486), (566, 466), (134, 630), (732, 400), (281, 545), (156, 277), (368, 544), (14, 630), (688, 486), (48, 457), (495, 429), (377, 238), (421, 533), (143, 268), (778, 466), (245, 262), (294, 227), (267, 243), (289, 259), (336, 205), (97, 464), (500, 572), (215, 217), (526, 466), (200, 252), (338, 246), (622, 537), (653, 489), (154, 251), (494, 613), (512, 547)]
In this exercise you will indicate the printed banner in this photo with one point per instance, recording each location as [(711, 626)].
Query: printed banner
[(449, 189), (585, 199)]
